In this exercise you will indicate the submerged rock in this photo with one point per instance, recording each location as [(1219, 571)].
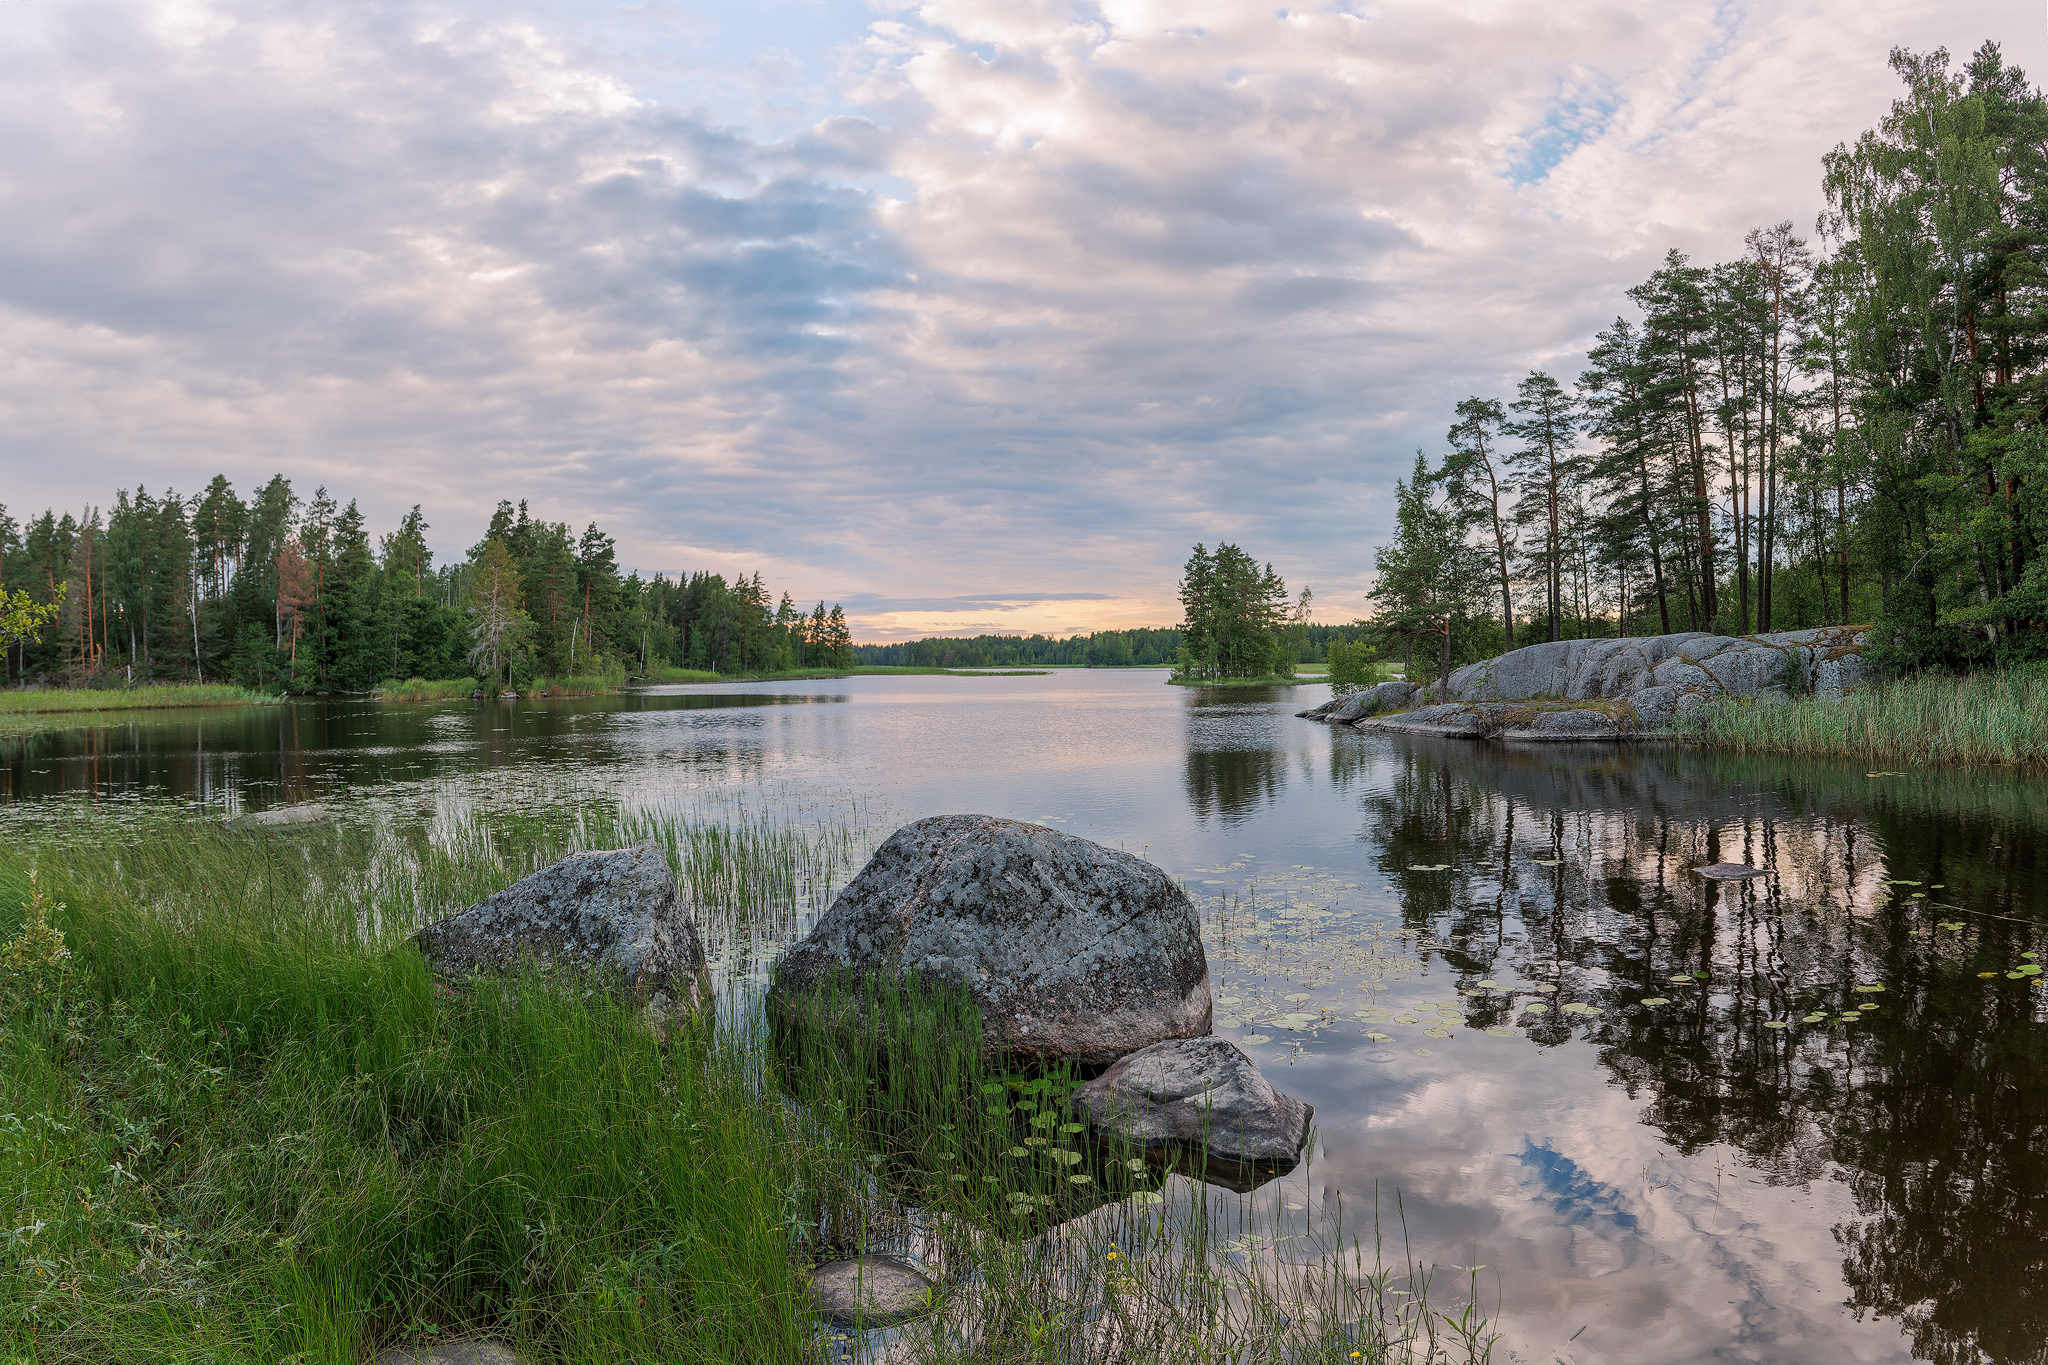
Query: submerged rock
[(1073, 952), (616, 913), (1730, 872), (1203, 1097), (451, 1353), (277, 817), (870, 1291)]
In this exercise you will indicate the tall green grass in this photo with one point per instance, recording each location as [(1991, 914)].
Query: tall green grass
[(425, 689), (140, 698), (1983, 719), (243, 1122)]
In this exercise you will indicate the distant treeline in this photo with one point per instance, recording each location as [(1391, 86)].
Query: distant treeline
[(1140, 647), (277, 591)]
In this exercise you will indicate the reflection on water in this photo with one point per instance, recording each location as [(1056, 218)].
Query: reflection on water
[(1446, 948)]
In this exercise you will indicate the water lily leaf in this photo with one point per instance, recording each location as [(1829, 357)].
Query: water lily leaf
[(1546, 989), (1229, 1021), (1866, 1007), (1492, 985), (1656, 1000), (1044, 1120), (1867, 989), (1436, 1033), (1501, 1032), (1422, 1052), (1379, 1037), (1136, 1164), (1536, 1009), (2029, 970), (1073, 1128), (1813, 1018), (1578, 1007), (1548, 862), (1430, 867), (1148, 1197), (1683, 978), (1018, 1151), (1951, 924), (1256, 1038), (1775, 1023), (1901, 882), (2030, 956), (1071, 1158), (1296, 999), (1851, 1018), (992, 1088), (1035, 1141), (1985, 976)]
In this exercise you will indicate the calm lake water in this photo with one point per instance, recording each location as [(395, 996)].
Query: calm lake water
[(1715, 1178)]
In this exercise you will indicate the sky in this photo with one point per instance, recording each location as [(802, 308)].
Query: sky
[(972, 316)]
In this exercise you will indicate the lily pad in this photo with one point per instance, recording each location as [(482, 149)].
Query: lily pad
[(1422, 1052), (2029, 970), (1148, 1197), (1986, 976), (1379, 1037), (1070, 1158), (1656, 1000), (1851, 1018), (1295, 999), (1951, 924), (1536, 1009), (1073, 1128), (1866, 1007), (1501, 1032), (1495, 985), (1548, 862), (1436, 1032), (1019, 1151), (1256, 1038), (1546, 989), (1430, 867), (1775, 1023), (1867, 989)]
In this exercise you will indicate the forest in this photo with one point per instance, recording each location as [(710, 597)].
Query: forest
[(1825, 430), (279, 592)]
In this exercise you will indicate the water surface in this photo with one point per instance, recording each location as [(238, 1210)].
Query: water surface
[(1710, 1179)]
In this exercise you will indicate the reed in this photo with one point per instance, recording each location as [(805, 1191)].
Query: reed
[(241, 1121), (1983, 719), (146, 697), (425, 689)]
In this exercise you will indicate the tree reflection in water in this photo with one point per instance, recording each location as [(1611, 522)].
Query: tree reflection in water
[(1933, 1108)]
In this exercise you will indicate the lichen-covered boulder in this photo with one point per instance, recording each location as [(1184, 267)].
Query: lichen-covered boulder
[(1071, 951), (1204, 1097), (616, 914)]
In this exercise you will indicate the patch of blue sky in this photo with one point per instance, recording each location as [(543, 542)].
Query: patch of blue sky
[(1571, 122), (1578, 1197)]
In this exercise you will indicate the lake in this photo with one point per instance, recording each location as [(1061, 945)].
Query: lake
[(1828, 1142)]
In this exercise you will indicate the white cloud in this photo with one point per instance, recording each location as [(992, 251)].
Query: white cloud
[(1056, 291)]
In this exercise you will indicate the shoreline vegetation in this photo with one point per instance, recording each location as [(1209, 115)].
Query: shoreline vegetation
[(246, 1123), (1979, 719)]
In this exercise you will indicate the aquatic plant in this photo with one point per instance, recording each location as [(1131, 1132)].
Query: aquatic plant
[(1982, 719)]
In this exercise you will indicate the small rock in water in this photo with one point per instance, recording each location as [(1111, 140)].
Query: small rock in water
[(277, 817), (450, 1353), (1204, 1096), (1730, 872), (618, 913), (869, 1291)]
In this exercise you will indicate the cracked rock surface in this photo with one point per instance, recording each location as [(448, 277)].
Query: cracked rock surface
[(616, 913), (1072, 951), (1634, 686)]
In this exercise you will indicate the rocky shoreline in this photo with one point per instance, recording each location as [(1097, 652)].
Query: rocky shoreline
[(1594, 690)]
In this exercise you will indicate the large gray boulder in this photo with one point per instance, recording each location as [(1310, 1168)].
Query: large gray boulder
[(1202, 1097), (1073, 952), (1644, 685), (616, 914)]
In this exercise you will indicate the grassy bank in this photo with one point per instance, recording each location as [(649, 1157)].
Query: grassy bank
[(426, 689), (25, 713), (1987, 718), (242, 1122)]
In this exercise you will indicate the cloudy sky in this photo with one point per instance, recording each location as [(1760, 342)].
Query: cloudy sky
[(972, 315)]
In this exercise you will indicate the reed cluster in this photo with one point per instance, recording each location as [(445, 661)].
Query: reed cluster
[(144, 697), (1981, 719), (425, 689), (241, 1121)]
